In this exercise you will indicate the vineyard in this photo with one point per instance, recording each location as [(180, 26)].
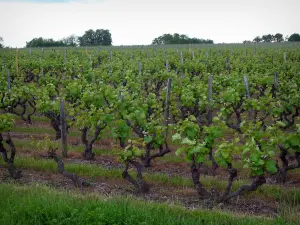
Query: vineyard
[(191, 134)]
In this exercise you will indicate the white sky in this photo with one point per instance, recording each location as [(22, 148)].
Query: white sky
[(140, 21)]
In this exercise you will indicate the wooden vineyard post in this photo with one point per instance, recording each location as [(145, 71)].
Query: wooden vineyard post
[(17, 61), (131, 55), (209, 115), (275, 83), (92, 72), (63, 128), (109, 70), (247, 93), (41, 67), (167, 65), (29, 50), (110, 55), (247, 86), (65, 56), (8, 80), (181, 59), (209, 119), (193, 54), (206, 53), (284, 56), (181, 63), (65, 62), (227, 65), (140, 67), (276, 80), (167, 106)]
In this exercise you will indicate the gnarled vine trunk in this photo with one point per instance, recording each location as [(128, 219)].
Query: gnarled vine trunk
[(281, 175), (77, 181), (24, 105), (55, 123), (147, 158), (88, 150), (140, 185), (227, 194), (14, 173), (195, 172)]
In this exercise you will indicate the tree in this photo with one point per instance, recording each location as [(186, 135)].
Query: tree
[(246, 42), (98, 37), (257, 39), (267, 38), (294, 37), (43, 42), (71, 40), (278, 37), (273, 39), (179, 39), (1, 40)]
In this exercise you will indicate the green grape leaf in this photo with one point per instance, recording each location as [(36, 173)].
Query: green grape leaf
[(179, 151), (187, 141), (148, 139), (176, 137), (271, 166)]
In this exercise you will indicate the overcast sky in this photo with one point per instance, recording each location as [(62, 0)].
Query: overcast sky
[(140, 21)]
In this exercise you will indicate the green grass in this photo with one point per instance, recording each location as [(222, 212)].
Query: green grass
[(41, 205), (33, 118), (290, 196), (40, 130)]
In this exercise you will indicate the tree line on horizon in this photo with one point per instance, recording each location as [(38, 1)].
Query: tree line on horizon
[(268, 38), (103, 37), (176, 38), (89, 38)]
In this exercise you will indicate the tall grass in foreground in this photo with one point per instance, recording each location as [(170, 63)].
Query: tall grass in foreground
[(40, 205)]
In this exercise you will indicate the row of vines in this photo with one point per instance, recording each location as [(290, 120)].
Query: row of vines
[(218, 107)]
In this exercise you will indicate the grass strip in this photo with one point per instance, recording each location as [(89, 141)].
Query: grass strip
[(36, 204)]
